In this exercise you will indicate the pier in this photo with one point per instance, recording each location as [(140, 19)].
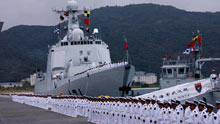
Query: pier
[(16, 113)]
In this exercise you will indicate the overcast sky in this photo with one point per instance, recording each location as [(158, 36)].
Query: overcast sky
[(39, 12)]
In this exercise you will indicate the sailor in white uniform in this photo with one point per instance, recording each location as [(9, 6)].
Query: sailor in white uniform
[(145, 111), (193, 114), (166, 114), (218, 111), (179, 112), (212, 117), (160, 114), (173, 112), (214, 79), (187, 110)]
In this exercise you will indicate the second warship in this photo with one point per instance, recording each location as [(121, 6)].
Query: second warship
[(182, 78)]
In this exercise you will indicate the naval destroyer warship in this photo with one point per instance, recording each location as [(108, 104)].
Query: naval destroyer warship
[(182, 78), (81, 65)]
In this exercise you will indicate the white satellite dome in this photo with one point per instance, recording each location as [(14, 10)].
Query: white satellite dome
[(77, 34), (72, 5), (95, 31)]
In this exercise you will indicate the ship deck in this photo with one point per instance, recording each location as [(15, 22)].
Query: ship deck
[(16, 113)]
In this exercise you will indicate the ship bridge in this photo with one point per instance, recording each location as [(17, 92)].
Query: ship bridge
[(175, 72), (175, 69)]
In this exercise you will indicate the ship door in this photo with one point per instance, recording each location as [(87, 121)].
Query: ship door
[(175, 72)]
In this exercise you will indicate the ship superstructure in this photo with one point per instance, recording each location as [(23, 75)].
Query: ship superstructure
[(81, 65)]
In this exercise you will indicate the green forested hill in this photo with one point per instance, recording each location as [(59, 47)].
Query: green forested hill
[(152, 31)]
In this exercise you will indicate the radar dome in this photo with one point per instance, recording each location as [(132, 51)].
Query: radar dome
[(95, 31), (77, 35), (72, 5)]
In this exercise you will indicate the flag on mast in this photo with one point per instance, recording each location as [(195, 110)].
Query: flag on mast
[(57, 29), (126, 45), (192, 44), (187, 51), (200, 40), (86, 21)]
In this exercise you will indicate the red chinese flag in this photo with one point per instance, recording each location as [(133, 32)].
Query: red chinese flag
[(66, 14), (126, 45), (192, 44), (200, 40), (86, 21)]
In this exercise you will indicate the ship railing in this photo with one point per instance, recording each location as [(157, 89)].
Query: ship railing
[(175, 62), (103, 67)]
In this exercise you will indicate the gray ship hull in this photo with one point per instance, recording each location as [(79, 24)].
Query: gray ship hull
[(106, 82)]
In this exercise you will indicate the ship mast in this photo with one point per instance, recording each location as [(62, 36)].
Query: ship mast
[(71, 13)]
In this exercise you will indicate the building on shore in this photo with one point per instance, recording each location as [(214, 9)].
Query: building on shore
[(11, 84), (145, 78), (33, 79), (1, 25)]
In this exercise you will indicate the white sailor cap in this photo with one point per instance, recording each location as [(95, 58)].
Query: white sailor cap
[(187, 101), (195, 101), (202, 101), (217, 102), (192, 103), (166, 102), (160, 102), (210, 105), (201, 104)]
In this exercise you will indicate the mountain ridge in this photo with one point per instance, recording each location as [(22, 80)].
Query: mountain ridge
[(152, 31)]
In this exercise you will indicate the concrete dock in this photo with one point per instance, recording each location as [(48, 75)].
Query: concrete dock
[(16, 113)]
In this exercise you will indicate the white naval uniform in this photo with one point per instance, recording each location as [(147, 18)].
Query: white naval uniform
[(166, 116), (192, 118), (180, 114), (145, 113), (214, 80), (187, 113), (212, 118), (218, 116), (160, 116)]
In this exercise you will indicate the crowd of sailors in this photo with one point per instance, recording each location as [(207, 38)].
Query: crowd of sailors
[(126, 110), (104, 67)]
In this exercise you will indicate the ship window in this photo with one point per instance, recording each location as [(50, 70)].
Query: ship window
[(169, 71), (98, 42), (81, 42), (71, 43), (81, 52), (187, 70), (181, 70), (88, 42), (85, 42), (78, 42), (85, 59), (164, 71), (75, 43), (88, 53), (91, 42)]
